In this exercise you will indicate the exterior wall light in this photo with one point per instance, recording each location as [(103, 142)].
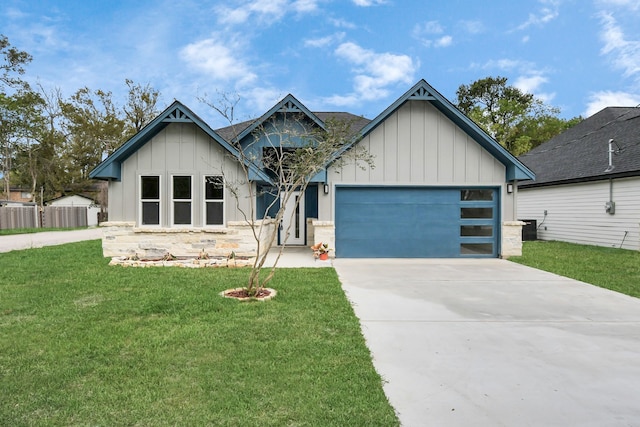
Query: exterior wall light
[(509, 188), (326, 189)]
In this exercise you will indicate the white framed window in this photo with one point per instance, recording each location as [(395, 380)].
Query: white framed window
[(181, 200), (150, 212), (213, 200)]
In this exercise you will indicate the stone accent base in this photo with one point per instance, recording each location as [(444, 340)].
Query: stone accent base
[(124, 239), (511, 239)]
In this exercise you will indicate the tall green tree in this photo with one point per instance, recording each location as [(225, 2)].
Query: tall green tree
[(13, 106), (517, 120), (12, 63), (39, 163), (19, 129), (140, 108)]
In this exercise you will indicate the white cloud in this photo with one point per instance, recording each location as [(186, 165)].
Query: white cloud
[(547, 13), (503, 64), (324, 41), (264, 11), (305, 6), (625, 53), (430, 34), (367, 3), (218, 58), (629, 4), (602, 99), (261, 98), (443, 41), (472, 27), (429, 27), (342, 23), (374, 73), (531, 84)]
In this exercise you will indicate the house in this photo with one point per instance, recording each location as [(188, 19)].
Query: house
[(441, 187), (19, 195), (587, 187), (78, 200)]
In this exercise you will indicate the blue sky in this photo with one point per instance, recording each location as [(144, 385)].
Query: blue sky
[(333, 55)]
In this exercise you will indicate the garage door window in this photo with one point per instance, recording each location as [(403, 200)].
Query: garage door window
[(476, 249), (479, 213), (476, 230), (476, 195), (478, 222)]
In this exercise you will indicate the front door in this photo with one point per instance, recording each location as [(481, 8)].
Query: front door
[(292, 226)]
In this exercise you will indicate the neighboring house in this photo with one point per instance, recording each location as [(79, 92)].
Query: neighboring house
[(587, 186), (20, 195), (441, 187), (78, 200)]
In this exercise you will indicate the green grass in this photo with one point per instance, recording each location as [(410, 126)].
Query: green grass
[(84, 343), (12, 231), (615, 269)]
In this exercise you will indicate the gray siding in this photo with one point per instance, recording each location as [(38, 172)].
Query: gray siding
[(181, 149), (418, 145), (575, 212)]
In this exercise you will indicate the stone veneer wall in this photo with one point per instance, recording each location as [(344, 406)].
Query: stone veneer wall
[(511, 238), (325, 232), (125, 239)]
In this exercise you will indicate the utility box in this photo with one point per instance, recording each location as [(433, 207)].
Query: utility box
[(529, 230), (610, 208)]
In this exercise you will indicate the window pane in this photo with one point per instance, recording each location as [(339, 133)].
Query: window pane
[(214, 188), (476, 249), (182, 212), (478, 213), (476, 230), (182, 187), (150, 213), (214, 213), (150, 187), (477, 194)]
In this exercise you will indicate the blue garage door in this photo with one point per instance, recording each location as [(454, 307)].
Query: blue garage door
[(416, 222)]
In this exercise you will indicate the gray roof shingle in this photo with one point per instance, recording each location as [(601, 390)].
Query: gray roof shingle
[(581, 152)]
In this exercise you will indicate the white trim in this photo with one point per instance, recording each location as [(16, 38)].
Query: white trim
[(290, 217), (173, 201), (140, 201), (204, 202)]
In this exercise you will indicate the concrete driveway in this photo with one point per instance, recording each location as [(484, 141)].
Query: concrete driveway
[(16, 242), (493, 343)]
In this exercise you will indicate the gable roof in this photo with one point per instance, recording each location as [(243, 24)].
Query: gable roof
[(230, 133), (581, 153), (422, 91), (110, 168)]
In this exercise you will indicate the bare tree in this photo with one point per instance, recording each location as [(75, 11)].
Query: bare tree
[(290, 150)]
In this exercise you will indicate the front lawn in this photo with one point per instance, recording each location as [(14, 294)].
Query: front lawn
[(83, 343), (610, 268)]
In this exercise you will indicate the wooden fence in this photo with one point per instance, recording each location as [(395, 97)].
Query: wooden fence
[(19, 217), (51, 217)]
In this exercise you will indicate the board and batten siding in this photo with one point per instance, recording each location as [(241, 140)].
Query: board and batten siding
[(576, 212), (418, 145), (179, 149)]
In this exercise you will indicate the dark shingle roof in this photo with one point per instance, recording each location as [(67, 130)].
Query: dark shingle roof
[(357, 123), (581, 152)]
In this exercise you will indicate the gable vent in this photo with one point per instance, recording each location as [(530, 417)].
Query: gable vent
[(289, 107), (422, 94), (177, 115)]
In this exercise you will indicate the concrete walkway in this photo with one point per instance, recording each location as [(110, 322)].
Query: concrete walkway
[(16, 242), (494, 343)]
